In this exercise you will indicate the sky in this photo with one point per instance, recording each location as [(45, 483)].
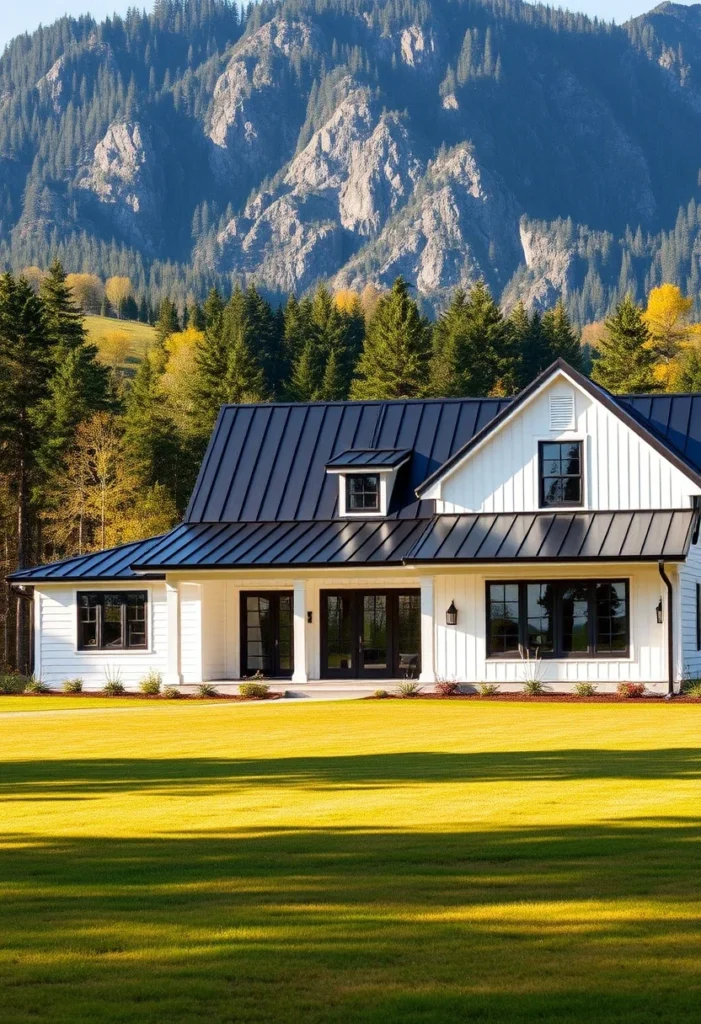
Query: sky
[(17, 17)]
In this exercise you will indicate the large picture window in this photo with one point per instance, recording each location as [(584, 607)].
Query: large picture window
[(558, 619), (112, 620), (560, 471)]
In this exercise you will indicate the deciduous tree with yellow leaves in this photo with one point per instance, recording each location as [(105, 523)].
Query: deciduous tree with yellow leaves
[(668, 320)]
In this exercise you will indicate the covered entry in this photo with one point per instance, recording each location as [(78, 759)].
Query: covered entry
[(370, 634)]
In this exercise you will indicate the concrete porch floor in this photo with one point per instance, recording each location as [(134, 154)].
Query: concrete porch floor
[(326, 688)]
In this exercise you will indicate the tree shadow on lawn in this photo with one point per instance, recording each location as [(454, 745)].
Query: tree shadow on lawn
[(554, 924), (75, 778)]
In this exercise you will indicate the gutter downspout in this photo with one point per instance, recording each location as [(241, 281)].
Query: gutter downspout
[(670, 628)]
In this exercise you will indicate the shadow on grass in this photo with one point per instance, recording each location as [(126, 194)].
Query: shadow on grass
[(75, 778), (532, 924)]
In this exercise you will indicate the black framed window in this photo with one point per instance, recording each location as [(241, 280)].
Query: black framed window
[(363, 493), (560, 473), (558, 618), (112, 620)]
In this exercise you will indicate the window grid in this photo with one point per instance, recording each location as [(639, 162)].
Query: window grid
[(560, 473), (559, 618), (112, 620), (362, 493)]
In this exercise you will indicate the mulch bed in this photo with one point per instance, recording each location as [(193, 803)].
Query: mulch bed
[(143, 696), (546, 698)]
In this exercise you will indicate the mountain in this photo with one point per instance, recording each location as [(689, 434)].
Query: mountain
[(354, 140)]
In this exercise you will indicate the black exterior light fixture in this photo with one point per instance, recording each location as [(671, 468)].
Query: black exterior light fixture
[(660, 612), (451, 616)]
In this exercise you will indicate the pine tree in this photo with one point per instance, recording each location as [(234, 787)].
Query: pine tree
[(397, 350), (307, 373), (213, 308), (244, 380), (196, 318), (530, 342), (562, 341), (63, 319), (625, 364), (149, 440), (167, 322)]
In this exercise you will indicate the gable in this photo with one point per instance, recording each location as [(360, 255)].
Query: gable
[(622, 469)]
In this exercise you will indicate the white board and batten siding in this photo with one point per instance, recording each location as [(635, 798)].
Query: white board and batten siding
[(57, 657), (687, 613), (621, 470)]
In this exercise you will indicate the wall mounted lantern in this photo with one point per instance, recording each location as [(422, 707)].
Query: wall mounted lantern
[(451, 616), (660, 612)]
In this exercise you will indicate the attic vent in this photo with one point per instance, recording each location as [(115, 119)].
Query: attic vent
[(562, 412)]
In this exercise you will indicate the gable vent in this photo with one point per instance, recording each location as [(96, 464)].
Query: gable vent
[(562, 412)]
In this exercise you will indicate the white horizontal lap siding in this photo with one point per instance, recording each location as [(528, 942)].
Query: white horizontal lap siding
[(191, 632), (622, 471), (56, 643), (461, 651), (689, 577)]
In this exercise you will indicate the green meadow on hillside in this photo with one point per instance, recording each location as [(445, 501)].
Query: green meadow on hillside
[(350, 861), (121, 343)]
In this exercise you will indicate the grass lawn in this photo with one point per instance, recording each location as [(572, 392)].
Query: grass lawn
[(127, 339), (352, 861)]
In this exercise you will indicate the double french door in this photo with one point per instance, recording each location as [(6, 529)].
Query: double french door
[(370, 634), (266, 633)]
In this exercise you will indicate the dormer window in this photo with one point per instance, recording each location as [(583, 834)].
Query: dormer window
[(362, 492)]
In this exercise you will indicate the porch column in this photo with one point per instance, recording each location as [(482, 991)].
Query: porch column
[(299, 613), (173, 677), (428, 674)]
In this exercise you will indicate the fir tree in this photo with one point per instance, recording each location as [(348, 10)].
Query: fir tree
[(63, 319), (562, 340), (397, 350), (213, 308), (148, 432), (167, 322), (530, 342), (625, 364), (307, 373)]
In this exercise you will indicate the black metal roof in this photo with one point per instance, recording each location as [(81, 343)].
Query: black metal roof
[(267, 463), (261, 545), (674, 419), (112, 564), (556, 536), (369, 458)]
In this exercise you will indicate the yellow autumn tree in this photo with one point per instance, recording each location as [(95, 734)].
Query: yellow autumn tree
[(117, 290), (668, 319), (88, 291), (34, 277), (179, 375), (347, 301), (114, 348)]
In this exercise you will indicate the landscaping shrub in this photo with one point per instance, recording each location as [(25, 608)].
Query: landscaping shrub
[(207, 690), (151, 683), (172, 693), (12, 683), (488, 689), (630, 690), (446, 689), (258, 690), (34, 685), (584, 689), (533, 687), (72, 685), (113, 688), (409, 688), (380, 693), (692, 688)]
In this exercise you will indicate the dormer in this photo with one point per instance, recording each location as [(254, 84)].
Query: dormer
[(366, 479)]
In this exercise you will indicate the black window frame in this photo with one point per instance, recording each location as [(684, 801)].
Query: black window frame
[(98, 596), (559, 585), (542, 503), (377, 491)]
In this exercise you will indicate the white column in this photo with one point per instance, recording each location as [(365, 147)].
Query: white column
[(173, 604), (428, 632), (299, 613)]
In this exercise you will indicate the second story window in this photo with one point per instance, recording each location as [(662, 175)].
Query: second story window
[(560, 471), (363, 493)]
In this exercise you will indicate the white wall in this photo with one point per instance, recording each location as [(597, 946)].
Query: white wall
[(621, 470), (56, 639), (461, 650)]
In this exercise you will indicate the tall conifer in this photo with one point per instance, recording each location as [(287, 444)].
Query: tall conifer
[(625, 364)]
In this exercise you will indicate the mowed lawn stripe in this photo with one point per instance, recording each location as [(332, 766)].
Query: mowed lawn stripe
[(369, 861)]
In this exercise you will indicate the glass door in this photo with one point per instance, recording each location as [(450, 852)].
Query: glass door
[(373, 637), (339, 655), (266, 634), (370, 634)]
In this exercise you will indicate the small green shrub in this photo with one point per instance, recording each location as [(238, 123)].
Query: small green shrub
[(113, 688), (12, 683), (488, 689), (34, 685), (257, 690), (207, 690), (630, 690), (409, 688), (533, 687), (172, 693), (584, 689), (692, 688), (151, 683), (380, 693), (447, 689), (72, 685)]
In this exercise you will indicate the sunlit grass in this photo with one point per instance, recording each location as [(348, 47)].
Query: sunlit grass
[(363, 861)]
